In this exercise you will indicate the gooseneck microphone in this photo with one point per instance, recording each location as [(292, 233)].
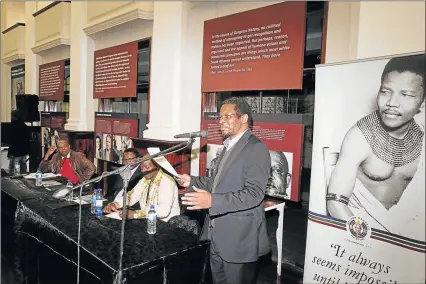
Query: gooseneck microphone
[(201, 134)]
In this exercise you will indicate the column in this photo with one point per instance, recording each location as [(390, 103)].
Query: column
[(81, 116), (5, 92), (167, 60), (342, 31), (3, 69), (32, 61)]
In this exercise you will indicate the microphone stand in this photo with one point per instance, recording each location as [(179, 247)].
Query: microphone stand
[(165, 152), (119, 276)]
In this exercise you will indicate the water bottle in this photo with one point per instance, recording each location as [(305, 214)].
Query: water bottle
[(17, 169), (99, 202), (38, 179), (93, 203), (152, 220), (69, 186)]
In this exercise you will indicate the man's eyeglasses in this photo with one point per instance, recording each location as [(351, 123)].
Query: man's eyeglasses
[(129, 159), (226, 116)]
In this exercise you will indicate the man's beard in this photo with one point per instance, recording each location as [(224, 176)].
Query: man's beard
[(225, 136)]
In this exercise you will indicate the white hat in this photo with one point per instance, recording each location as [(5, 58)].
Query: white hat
[(162, 161)]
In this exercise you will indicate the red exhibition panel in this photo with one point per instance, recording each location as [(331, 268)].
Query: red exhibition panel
[(117, 126), (285, 138), (115, 71), (51, 78), (261, 49)]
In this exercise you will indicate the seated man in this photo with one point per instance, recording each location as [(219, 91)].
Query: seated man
[(156, 187), (380, 154), (73, 166), (116, 192)]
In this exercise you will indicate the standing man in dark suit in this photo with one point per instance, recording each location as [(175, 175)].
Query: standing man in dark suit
[(235, 223), (129, 156)]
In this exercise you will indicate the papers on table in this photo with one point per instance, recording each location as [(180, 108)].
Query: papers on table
[(86, 199), (51, 183), (113, 215), (43, 176), (162, 161)]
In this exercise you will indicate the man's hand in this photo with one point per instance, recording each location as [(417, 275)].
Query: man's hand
[(130, 214), (49, 152), (200, 199), (112, 207), (183, 180)]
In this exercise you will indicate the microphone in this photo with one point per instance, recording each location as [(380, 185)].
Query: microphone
[(201, 134), (126, 175)]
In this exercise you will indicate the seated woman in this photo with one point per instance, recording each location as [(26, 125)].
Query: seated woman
[(156, 187)]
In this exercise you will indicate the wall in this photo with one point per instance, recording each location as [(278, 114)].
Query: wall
[(387, 28), (127, 32), (43, 4), (11, 13), (342, 32), (366, 29), (55, 54)]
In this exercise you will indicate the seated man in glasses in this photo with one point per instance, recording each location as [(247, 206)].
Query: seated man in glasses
[(116, 192), (156, 187)]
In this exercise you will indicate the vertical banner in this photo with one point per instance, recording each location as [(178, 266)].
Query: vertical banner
[(284, 141), (116, 71), (17, 74), (260, 49), (51, 81), (367, 198)]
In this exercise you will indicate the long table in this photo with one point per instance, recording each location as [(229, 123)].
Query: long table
[(41, 243)]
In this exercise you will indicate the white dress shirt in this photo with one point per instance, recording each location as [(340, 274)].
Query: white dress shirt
[(120, 194), (231, 142)]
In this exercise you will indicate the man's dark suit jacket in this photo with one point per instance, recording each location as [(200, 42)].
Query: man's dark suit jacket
[(239, 227), (118, 185)]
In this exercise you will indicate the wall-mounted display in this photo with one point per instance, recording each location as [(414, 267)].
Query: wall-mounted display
[(17, 86), (261, 49), (285, 142), (115, 71), (51, 81)]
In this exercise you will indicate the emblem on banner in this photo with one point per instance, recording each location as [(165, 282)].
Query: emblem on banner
[(358, 228)]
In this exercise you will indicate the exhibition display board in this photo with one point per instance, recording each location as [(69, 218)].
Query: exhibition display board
[(367, 195), (115, 71), (51, 81), (260, 49), (113, 133), (283, 140)]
